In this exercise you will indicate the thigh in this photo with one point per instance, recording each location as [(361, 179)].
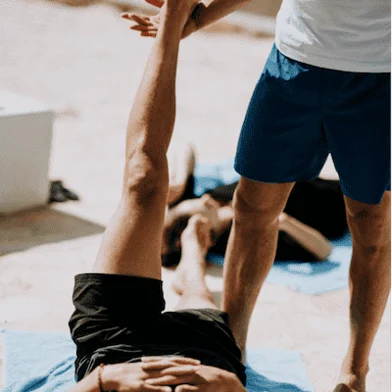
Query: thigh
[(132, 241), (282, 139), (110, 309), (358, 130)]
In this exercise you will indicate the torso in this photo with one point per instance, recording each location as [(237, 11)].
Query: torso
[(344, 35), (202, 334)]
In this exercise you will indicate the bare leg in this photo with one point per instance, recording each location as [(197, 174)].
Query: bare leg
[(370, 282), (190, 280), (251, 249), (132, 241)]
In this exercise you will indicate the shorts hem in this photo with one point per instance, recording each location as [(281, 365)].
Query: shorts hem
[(366, 200), (99, 277), (263, 179)]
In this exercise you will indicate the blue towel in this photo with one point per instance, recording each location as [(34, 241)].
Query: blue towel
[(44, 362), (309, 278), (211, 175)]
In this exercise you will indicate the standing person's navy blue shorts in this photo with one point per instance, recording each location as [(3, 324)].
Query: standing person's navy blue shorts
[(300, 113)]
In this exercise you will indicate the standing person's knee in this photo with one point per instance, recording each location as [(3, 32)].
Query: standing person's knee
[(257, 204), (370, 225), (145, 177), (248, 212)]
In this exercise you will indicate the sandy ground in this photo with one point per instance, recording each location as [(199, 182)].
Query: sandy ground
[(85, 64)]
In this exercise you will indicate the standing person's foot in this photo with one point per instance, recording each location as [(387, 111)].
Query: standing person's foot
[(351, 382), (195, 243), (345, 388)]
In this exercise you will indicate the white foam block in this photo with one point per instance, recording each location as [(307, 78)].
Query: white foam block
[(26, 128)]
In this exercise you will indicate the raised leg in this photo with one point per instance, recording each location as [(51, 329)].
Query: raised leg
[(251, 249), (370, 283), (132, 241)]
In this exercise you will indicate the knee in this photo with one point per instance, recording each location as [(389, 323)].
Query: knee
[(254, 213), (145, 177), (367, 219), (370, 229)]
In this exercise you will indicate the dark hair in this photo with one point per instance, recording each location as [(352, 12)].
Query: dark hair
[(171, 259)]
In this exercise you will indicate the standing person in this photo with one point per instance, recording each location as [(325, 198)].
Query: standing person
[(325, 89)]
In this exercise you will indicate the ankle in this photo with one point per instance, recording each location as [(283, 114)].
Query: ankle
[(352, 383), (175, 14), (359, 371)]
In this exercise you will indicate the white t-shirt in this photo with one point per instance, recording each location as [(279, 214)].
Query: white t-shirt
[(345, 35)]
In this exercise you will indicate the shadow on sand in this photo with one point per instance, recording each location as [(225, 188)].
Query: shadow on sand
[(41, 226)]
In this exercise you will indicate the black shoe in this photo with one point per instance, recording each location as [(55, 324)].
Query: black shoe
[(59, 194), (70, 195), (56, 192)]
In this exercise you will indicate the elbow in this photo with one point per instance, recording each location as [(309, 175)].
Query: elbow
[(329, 250), (326, 252)]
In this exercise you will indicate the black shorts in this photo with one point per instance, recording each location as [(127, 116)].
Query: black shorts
[(120, 319)]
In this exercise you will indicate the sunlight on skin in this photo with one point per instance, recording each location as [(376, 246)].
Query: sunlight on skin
[(156, 3)]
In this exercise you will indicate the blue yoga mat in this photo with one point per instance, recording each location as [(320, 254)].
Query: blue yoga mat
[(309, 278), (44, 362)]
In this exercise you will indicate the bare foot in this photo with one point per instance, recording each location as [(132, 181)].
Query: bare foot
[(195, 242), (205, 206), (210, 210), (349, 382), (345, 388)]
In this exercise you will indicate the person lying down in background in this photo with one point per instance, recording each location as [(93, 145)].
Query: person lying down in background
[(314, 213), (125, 341)]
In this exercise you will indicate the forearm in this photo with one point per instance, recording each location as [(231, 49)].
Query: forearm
[(151, 120), (309, 238), (210, 11)]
